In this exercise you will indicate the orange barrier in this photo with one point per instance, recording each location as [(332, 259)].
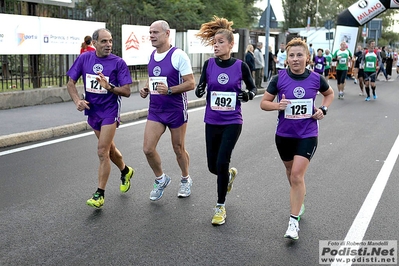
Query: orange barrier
[(333, 72)]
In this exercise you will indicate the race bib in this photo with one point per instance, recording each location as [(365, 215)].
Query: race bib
[(327, 63), (319, 66), (342, 60), (93, 86), (153, 82), (223, 101), (299, 109), (369, 64)]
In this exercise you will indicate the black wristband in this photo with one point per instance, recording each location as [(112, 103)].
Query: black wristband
[(323, 109)]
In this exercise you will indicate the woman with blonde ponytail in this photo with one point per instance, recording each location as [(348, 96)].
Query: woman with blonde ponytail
[(221, 79)]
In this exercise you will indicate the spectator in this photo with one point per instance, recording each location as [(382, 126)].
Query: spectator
[(272, 63), (250, 59), (281, 58), (389, 62), (259, 65), (87, 45)]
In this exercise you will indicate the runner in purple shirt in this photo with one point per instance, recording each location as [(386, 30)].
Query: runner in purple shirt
[(319, 62), (297, 124), (106, 78), (170, 77), (221, 78)]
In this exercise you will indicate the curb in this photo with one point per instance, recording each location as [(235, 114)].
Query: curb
[(43, 134)]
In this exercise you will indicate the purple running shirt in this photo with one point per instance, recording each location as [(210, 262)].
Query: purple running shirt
[(163, 71), (319, 63), (296, 121), (224, 84), (101, 102)]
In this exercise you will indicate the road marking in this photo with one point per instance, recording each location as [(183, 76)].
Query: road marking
[(366, 212), (46, 143)]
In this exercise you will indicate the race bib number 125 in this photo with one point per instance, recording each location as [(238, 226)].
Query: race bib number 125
[(299, 109)]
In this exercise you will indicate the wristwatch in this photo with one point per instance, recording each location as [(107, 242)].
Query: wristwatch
[(112, 86), (323, 109), (169, 91)]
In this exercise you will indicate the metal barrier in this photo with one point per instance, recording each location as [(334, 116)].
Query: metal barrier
[(22, 72)]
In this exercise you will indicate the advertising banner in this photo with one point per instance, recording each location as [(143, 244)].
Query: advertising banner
[(345, 34), (40, 35), (365, 10), (136, 44)]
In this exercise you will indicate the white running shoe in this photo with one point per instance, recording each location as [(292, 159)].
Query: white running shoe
[(293, 229), (157, 192), (185, 187)]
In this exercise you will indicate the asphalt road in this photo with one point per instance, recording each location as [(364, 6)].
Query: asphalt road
[(44, 219)]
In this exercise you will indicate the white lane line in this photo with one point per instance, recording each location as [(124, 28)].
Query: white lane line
[(46, 143), (366, 212)]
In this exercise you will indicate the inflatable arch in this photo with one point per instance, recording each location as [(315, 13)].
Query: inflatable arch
[(356, 15)]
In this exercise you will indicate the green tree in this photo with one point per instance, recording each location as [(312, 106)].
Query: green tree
[(181, 14), (296, 12), (242, 13)]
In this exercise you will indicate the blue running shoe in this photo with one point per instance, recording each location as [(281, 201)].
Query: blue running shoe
[(367, 99), (375, 97)]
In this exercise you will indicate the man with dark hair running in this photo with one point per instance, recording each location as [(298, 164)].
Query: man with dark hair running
[(106, 78)]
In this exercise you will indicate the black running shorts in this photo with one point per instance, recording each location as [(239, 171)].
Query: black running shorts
[(289, 147)]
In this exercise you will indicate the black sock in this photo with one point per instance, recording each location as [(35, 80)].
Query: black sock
[(295, 217), (373, 89), (368, 91), (101, 191), (125, 170)]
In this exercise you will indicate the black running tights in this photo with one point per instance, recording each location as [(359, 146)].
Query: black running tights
[(220, 142)]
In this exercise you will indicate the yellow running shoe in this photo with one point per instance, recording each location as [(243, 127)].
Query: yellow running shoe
[(96, 201), (125, 186), (219, 217), (233, 173)]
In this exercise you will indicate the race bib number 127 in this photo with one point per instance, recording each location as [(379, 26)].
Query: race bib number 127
[(93, 86)]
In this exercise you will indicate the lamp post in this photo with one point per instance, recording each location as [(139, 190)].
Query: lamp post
[(317, 13), (267, 33)]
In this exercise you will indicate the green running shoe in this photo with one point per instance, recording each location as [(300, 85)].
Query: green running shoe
[(97, 201), (125, 186)]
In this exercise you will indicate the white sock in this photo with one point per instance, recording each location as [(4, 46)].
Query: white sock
[(185, 177), (161, 178), (219, 204)]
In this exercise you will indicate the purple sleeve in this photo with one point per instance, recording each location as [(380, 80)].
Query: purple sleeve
[(76, 69), (123, 73)]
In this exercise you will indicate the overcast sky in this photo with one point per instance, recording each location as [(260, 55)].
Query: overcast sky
[(276, 5)]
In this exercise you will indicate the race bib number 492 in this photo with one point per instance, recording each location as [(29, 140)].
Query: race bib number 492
[(223, 101)]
